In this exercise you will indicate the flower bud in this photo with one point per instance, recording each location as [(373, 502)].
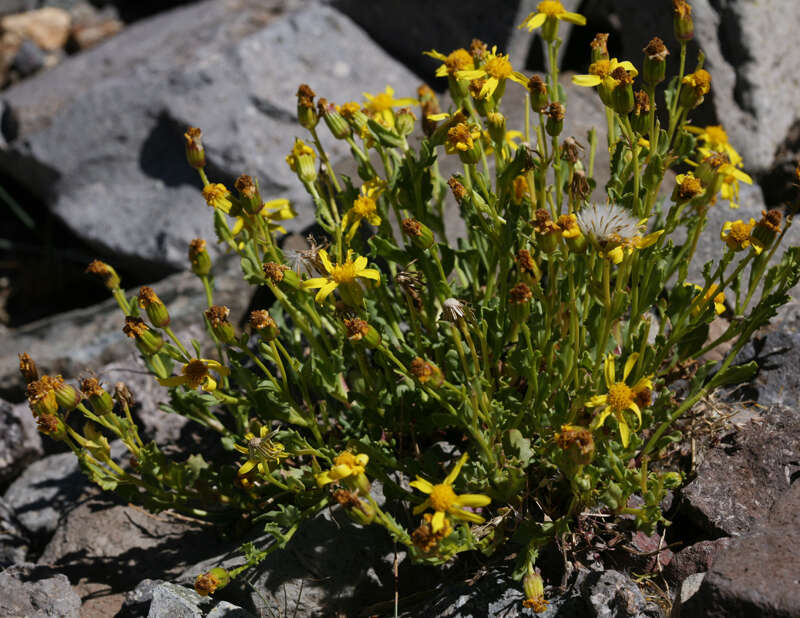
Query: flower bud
[(195, 153), (571, 233), (263, 323), (354, 116), (66, 396), (147, 341), (335, 122), (555, 119), (546, 231), (766, 229), (687, 187), (640, 118), (419, 233), (217, 316), (497, 127), (426, 372), (360, 511), (695, 86), (209, 583), (41, 396), (622, 95), (682, 22), (28, 368), (404, 121), (306, 114), (462, 140), (458, 189), (538, 93), (106, 273), (98, 398), (199, 257), (301, 161), (577, 444), (599, 47), (519, 303), (655, 62), (52, 426), (249, 196), (360, 331), (533, 587), (156, 310)]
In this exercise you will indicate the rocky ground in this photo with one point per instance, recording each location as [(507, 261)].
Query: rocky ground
[(96, 99)]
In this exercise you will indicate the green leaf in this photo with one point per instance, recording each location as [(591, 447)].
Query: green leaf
[(736, 374), (387, 137)]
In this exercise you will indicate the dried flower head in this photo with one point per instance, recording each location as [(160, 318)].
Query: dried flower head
[(273, 271), (28, 368), (454, 310)]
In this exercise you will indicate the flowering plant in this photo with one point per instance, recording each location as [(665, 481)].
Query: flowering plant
[(530, 364)]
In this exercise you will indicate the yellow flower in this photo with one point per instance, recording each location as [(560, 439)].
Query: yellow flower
[(495, 70), (551, 9), (345, 465), (621, 397), (300, 149), (380, 106), (196, 374), (365, 206), (443, 500), (736, 235), (260, 452), (342, 274), (714, 137), (700, 305), (272, 211), (457, 60), (461, 138), (600, 73), (216, 196)]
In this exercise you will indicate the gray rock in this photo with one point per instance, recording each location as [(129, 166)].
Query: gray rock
[(28, 60), (755, 576), (176, 602), (142, 594), (14, 541), (776, 349), (741, 478), (19, 440), (201, 65), (406, 29), (86, 339), (754, 93), (696, 558), (47, 488), (98, 542), (591, 594), (687, 589), (330, 565), (224, 609), (37, 593)]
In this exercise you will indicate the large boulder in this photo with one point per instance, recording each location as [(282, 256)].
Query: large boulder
[(19, 440), (99, 138), (755, 87)]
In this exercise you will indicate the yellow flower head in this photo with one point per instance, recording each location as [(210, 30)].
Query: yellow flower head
[(300, 149), (457, 60), (600, 72), (364, 207), (551, 10), (687, 187), (461, 138), (495, 70), (197, 374), (444, 501), (345, 465), (380, 106), (699, 305), (344, 274), (736, 235), (568, 224), (621, 397), (260, 451), (216, 196)]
